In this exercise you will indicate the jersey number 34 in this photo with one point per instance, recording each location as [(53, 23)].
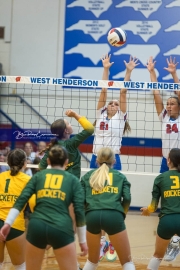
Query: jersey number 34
[(170, 129)]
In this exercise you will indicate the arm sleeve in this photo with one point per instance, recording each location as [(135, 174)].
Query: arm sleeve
[(156, 194), (126, 196), (12, 215), (86, 124), (77, 139), (78, 203), (43, 163), (27, 192), (81, 232)]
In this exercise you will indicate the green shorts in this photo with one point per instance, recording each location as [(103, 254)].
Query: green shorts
[(111, 221), (168, 226), (41, 234), (14, 233)]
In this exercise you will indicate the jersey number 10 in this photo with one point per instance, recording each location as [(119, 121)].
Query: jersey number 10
[(53, 181)]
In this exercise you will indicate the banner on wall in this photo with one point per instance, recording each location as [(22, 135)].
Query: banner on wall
[(152, 27)]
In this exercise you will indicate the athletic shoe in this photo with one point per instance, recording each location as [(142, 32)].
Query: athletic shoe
[(172, 250), (111, 254), (103, 249)]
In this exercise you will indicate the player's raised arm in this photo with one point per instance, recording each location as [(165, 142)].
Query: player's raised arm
[(133, 62), (106, 64), (157, 96), (172, 64)]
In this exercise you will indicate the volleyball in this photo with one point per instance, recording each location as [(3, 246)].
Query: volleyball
[(117, 37)]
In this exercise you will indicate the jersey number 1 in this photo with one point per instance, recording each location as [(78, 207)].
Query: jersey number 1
[(7, 185)]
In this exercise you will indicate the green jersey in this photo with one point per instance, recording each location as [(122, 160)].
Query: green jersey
[(71, 145), (167, 187), (115, 196), (55, 190)]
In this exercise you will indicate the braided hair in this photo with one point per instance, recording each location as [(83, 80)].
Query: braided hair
[(16, 159)]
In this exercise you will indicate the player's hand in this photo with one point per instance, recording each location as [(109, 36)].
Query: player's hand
[(133, 62), (4, 232), (70, 113), (145, 211), (150, 64), (84, 249), (172, 64), (106, 61)]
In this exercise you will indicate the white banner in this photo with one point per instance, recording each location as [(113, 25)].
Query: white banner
[(91, 83)]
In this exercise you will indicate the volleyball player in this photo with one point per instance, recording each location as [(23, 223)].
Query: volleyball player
[(167, 188), (173, 248), (63, 130), (107, 198), (111, 119), (12, 183), (50, 223), (111, 124), (169, 117)]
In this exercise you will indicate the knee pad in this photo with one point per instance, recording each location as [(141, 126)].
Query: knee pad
[(20, 267), (154, 263), (129, 266), (90, 266)]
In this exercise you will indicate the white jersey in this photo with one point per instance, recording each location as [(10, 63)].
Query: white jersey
[(108, 132), (170, 133)]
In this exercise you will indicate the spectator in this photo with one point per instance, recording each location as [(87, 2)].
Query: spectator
[(6, 151), (3, 168), (41, 146), (28, 148), (27, 170)]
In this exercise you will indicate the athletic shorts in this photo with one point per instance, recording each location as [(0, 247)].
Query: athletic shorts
[(14, 233), (111, 221), (168, 226), (41, 234), (164, 166), (116, 166)]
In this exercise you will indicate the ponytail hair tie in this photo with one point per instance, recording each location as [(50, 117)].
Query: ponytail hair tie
[(103, 163)]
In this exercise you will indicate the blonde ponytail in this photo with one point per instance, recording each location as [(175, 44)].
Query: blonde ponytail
[(105, 158), (99, 177)]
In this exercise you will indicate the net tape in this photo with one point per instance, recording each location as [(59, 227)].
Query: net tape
[(135, 85)]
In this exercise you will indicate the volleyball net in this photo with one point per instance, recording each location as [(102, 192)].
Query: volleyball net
[(28, 105)]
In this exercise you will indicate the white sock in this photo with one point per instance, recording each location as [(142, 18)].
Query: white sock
[(1, 265), (20, 267), (90, 266), (103, 238), (154, 263), (175, 238), (129, 266), (78, 265)]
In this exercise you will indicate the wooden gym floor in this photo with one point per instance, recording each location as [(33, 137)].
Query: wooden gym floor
[(142, 233)]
